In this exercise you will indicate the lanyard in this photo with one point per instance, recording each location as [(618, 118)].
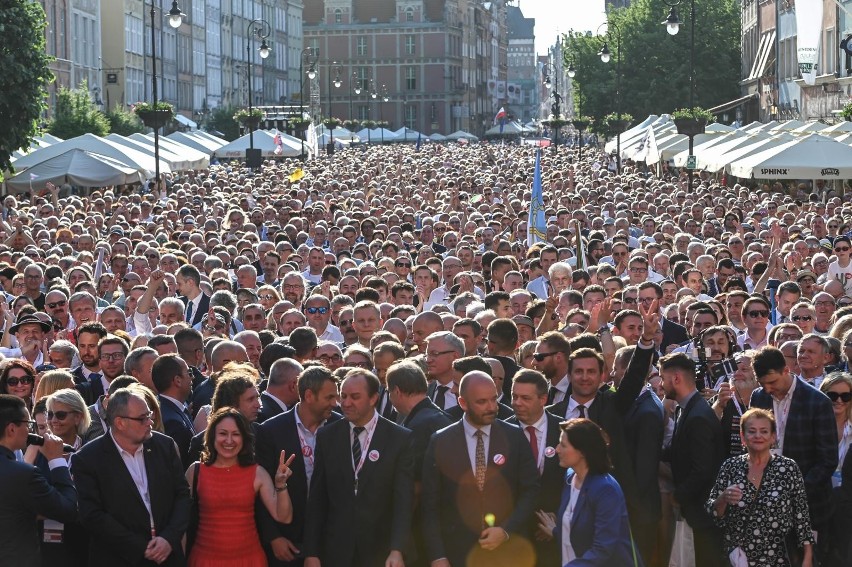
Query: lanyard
[(737, 406), (781, 419), (371, 428)]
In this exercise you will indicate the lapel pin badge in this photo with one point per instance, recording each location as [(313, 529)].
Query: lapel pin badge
[(499, 460), (373, 455), (549, 452)]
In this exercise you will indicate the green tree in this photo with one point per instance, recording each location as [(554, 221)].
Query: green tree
[(222, 119), (24, 75), (76, 114), (654, 65), (123, 123)]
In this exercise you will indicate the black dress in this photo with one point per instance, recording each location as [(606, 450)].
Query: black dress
[(759, 522)]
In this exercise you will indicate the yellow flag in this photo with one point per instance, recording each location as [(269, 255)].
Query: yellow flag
[(296, 175)]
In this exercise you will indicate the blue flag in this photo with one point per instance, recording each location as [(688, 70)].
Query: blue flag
[(417, 148), (536, 224)]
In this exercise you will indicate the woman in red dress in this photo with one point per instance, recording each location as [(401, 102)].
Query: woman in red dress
[(229, 481)]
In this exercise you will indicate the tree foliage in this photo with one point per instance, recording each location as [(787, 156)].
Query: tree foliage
[(124, 123), (654, 65), (24, 75), (76, 114), (222, 119)]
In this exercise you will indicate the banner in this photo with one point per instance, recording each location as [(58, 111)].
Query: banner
[(536, 224), (809, 31)]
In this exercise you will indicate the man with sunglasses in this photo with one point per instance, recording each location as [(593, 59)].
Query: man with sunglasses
[(25, 493), (317, 311)]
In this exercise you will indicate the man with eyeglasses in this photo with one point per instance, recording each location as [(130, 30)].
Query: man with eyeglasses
[(551, 359), (33, 281), (133, 496), (824, 308), (317, 311), (25, 491)]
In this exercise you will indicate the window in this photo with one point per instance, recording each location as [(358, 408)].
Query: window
[(409, 45), (410, 78), (363, 112), (409, 14), (411, 116), (363, 78), (338, 16), (361, 46)]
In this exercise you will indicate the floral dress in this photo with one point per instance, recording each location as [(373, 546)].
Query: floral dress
[(759, 523)]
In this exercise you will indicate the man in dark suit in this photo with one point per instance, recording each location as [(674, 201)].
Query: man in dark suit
[(502, 344), (695, 453), (643, 439), (462, 366), (406, 383), (174, 386), (529, 396), (673, 334), (134, 499), (24, 491), (282, 392), (807, 432), (480, 485), (608, 407), (196, 303), (88, 336), (295, 431), (361, 494)]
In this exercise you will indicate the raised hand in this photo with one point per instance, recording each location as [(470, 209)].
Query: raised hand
[(283, 472), (650, 320)]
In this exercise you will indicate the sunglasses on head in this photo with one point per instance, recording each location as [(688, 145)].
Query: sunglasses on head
[(315, 310), (845, 397), (25, 380)]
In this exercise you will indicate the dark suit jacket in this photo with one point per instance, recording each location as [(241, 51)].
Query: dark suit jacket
[(608, 410), (424, 420), (454, 508), (24, 494), (112, 510), (643, 437), (268, 408), (696, 454), (202, 396), (273, 436), (91, 390), (600, 532), (510, 368), (504, 412), (550, 491), (673, 334), (77, 373), (203, 308), (343, 528), (178, 426), (810, 439)]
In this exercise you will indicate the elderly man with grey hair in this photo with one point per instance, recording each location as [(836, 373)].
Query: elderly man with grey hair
[(64, 355), (442, 348)]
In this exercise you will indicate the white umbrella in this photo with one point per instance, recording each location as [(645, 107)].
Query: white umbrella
[(78, 167), (264, 140), (810, 127), (176, 163), (509, 129), (200, 143), (408, 135), (720, 157), (208, 136), (134, 158), (679, 160), (788, 125), (812, 157), (837, 129), (437, 137), (462, 135), (196, 158)]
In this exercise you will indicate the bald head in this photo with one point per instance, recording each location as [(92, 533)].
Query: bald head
[(228, 351), (397, 327), (473, 379), (424, 325)]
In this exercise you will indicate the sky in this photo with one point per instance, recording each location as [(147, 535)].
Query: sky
[(554, 17)]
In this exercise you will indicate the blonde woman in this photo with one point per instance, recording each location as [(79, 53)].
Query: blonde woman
[(53, 381)]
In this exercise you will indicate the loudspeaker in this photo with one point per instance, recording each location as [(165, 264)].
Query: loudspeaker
[(253, 158)]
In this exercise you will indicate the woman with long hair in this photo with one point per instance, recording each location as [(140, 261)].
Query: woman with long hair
[(227, 484)]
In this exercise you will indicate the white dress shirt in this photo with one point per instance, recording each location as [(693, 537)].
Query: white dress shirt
[(309, 439), (135, 464), (470, 437), (572, 410), (332, 334), (540, 437), (561, 389)]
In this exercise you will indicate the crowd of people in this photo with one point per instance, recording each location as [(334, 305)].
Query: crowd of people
[(372, 359)]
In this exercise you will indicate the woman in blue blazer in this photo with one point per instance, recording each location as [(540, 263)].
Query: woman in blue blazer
[(591, 526)]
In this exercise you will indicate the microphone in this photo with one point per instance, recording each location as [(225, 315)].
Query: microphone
[(38, 440)]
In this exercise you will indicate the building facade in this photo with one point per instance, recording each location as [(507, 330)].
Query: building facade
[(522, 77), (441, 64)]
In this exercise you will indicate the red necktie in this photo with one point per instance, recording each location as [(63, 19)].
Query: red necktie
[(533, 443)]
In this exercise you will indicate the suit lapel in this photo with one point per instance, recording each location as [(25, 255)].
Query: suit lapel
[(114, 462), (291, 429), (498, 446)]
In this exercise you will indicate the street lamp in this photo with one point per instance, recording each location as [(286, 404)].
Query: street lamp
[(337, 69), (354, 85), (373, 95), (175, 20), (310, 56), (606, 56), (261, 29), (555, 109), (385, 98), (673, 23)]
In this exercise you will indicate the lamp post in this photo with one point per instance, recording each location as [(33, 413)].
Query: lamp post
[(673, 23), (175, 20), (338, 69), (355, 86), (373, 95), (555, 108), (261, 29), (385, 98), (310, 56), (605, 56)]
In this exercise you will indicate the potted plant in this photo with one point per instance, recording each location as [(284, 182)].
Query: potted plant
[(582, 122), (249, 118), (370, 124), (154, 115), (351, 124), (331, 123), (617, 123), (846, 112), (692, 121)]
